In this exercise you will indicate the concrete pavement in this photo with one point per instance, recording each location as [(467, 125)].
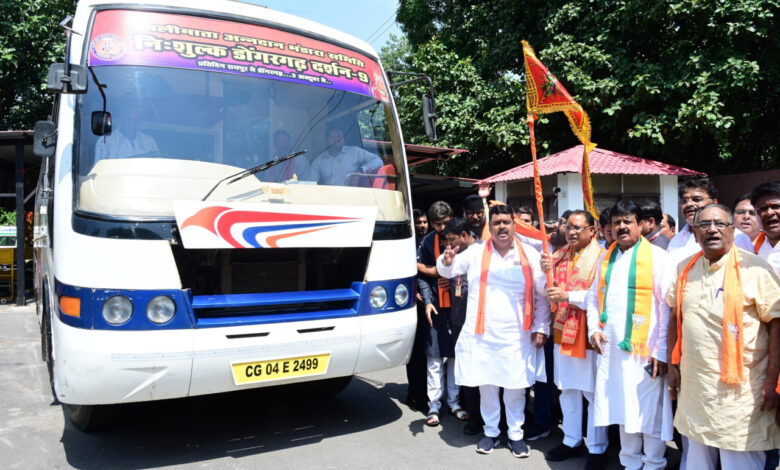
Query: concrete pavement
[(367, 425)]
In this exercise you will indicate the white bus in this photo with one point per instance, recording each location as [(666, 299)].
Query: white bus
[(225, 205)]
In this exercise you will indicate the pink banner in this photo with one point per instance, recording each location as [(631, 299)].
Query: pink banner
[(123, 37)]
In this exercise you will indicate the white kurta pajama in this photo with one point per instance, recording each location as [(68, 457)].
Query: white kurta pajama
[(575, 378), (504, 356), (625, 393)]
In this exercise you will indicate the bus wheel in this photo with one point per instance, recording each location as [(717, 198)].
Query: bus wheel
[(88, 418)]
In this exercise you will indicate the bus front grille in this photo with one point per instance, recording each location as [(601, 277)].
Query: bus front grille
[(223, 310), (269, 270)]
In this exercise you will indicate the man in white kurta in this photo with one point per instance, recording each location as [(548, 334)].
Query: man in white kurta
[(575, 362), (626, 393), (505, 355)]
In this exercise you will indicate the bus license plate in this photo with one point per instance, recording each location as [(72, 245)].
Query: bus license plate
[(262, 371)]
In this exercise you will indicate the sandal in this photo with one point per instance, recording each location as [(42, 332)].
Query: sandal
[(460, 414), (433, 419)]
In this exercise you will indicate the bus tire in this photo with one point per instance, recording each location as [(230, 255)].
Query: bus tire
[(88, 418)]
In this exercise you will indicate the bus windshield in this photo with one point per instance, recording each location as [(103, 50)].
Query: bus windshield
[(177, 131)]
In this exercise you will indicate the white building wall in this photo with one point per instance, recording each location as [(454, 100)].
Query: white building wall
[(669, 199), (570, 195), (501, 191)]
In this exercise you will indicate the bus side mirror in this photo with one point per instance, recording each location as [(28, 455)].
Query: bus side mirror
[(101, 123), (429, 117), (44, 139), (67, 79)]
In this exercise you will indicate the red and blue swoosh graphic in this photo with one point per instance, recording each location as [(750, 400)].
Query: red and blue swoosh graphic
[(261, 229)]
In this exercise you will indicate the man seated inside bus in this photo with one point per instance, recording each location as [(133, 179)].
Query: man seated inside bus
[(338, 161), (297, 166), (125, 139)]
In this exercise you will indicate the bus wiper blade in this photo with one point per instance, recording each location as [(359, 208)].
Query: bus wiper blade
[(251, 171), (264, 166)]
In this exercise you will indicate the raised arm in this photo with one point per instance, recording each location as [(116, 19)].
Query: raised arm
[(451, 264)]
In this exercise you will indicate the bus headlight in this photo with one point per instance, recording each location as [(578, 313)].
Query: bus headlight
[(378, 297), (117, 309), (401, 295), (161, 309)]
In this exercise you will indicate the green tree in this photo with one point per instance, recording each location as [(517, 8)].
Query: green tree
[(688, 82), (485, 116), (30, 40)]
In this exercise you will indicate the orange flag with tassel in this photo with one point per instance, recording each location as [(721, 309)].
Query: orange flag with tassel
[(545, 94)]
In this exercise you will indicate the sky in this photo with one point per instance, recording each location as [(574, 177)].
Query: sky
[(370, 20)]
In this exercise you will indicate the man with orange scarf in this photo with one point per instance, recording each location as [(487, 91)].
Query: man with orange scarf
[(627, 326), (724, 341), (574, 268), (507, 322), (435, 290)]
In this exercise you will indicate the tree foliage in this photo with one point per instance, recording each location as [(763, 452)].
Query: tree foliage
[(30, 40), (688, 82), (485, 116)]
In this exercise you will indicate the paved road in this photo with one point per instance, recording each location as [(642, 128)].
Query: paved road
[(365, 426)]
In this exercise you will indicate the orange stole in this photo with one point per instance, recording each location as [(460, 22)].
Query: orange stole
[(758, 242), (528, 308), (570, 328), (444, 288), (733, 348)]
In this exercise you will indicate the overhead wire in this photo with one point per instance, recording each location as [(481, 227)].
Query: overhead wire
[(370, 36)]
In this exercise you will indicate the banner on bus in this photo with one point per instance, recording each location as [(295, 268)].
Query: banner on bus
[(212, 225), (123, 37)]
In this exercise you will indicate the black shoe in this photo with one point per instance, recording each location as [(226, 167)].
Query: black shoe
[(596, 462), (519, 448), (487, 444), (535, 432), (563, 452), (472, 428)]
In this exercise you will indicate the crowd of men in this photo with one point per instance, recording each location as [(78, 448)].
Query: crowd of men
[(638, 326)]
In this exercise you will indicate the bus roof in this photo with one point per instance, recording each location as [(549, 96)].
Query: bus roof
[(249, 11)]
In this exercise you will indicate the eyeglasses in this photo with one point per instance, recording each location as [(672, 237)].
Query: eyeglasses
[(575, 229), (745, 211), (719, 224)]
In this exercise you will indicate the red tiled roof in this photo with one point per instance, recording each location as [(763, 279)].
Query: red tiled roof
[(601, 162)]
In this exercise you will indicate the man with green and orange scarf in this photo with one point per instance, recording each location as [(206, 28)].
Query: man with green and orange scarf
[(574, 268), (627, 326), (724, 342)]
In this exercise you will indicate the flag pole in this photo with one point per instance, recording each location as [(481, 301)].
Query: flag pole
[(539, 196)]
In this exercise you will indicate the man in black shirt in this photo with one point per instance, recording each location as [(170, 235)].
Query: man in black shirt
[(458, 233)]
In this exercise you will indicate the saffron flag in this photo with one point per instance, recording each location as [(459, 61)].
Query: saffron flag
[(545, 94)]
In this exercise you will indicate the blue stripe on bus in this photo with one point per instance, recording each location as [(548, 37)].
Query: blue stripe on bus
[(275, 298), (188, 306)]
